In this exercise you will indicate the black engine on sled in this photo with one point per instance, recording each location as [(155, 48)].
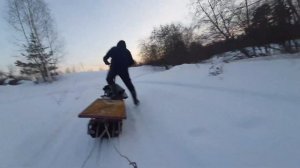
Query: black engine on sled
[(96, 128), (114, 92), (111, 102)]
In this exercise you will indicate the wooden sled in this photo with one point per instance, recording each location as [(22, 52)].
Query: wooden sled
[(106, 117)]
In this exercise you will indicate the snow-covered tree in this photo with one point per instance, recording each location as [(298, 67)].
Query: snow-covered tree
[(37, 60), (31, 19)]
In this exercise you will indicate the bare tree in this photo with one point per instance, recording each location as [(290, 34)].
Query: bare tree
[(219, 15), (2, 77), (293, 7), (32, 17), (244, 13), (247, 13), (149, 51), (2, 74), (11, 70), (166, 45)]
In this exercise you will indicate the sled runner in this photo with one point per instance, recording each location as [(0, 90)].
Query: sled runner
[(106, 113)]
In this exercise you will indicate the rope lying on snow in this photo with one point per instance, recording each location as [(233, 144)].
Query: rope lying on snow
[(92, 150), (133, 164)]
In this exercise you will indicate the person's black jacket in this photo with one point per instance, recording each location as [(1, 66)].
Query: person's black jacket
[(120, 56)]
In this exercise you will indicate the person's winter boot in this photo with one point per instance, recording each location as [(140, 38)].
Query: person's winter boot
[(135, 100), (113, 93)]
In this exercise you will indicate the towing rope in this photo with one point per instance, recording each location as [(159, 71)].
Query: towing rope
[(133, 164), (92, 150)]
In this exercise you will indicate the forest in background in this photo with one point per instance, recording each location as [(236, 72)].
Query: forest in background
[(253, 27)]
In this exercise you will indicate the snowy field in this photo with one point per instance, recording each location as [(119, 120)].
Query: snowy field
[(248, 116)]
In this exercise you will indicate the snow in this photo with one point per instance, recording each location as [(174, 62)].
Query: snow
[(248, 116)]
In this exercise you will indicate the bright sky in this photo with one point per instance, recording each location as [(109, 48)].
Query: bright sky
[(91, 27)]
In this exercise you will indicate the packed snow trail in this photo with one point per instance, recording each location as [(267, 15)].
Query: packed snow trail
[(246, 117)]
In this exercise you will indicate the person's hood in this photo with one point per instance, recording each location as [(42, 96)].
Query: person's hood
[(121, 44)]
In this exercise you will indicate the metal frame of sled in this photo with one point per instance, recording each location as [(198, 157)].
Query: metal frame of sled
[(106, 117)]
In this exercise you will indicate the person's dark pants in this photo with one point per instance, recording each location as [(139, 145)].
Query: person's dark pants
[(124, 75)]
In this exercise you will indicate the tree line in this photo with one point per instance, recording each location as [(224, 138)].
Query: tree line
[(226, 25), (37, 39)]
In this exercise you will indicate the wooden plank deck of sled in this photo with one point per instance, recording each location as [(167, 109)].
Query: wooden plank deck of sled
[(105, 109)]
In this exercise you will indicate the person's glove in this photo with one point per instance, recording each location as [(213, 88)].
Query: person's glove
[(106, 62)]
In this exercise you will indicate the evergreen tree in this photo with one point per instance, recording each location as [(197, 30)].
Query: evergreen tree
[(29, 17), (282, 22), (38, 61), (262, 17), (282, 14)]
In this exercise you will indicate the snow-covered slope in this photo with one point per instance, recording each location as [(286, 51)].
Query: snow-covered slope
[(246, 117)]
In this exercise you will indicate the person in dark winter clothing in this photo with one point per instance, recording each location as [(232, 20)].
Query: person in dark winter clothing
[(121, 60)]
